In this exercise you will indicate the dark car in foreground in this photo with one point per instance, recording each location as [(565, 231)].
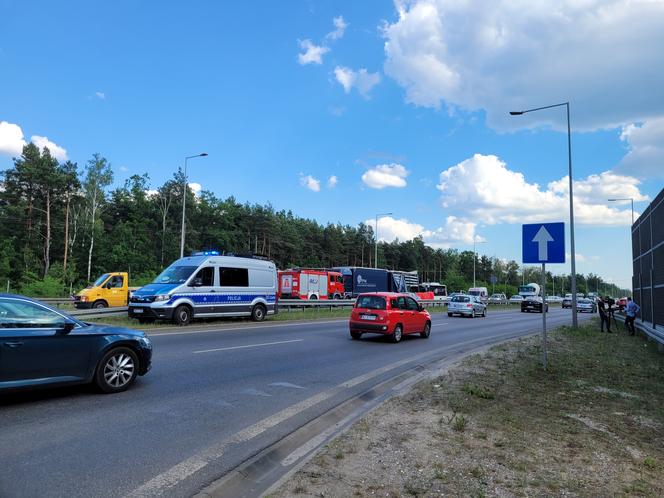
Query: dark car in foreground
[(43, 347), (533, 303), (388, 313)]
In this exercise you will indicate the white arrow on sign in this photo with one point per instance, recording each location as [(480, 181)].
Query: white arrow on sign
[(543, 237)]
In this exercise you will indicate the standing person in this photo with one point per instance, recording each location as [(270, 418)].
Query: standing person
[(611, 307), (604, 316), (631, 309)]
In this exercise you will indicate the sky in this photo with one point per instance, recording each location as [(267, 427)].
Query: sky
[(341, 111)]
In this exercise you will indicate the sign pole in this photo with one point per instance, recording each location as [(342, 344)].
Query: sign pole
[(544, 307)]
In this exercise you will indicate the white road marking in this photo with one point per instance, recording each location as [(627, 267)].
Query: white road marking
[(248, 346), (245, 328), (438, 324), (286, 384)]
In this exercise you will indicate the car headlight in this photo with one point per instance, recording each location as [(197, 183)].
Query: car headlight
[(162, 297), (84, 299)]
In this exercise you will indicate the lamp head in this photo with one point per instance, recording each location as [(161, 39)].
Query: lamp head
[(516, 113)]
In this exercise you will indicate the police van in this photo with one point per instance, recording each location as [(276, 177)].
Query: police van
[(206, 285)]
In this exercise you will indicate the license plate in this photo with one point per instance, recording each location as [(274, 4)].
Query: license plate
[(137, 310), (368, 317)]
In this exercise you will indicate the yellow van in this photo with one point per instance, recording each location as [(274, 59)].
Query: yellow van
[(109, 290)]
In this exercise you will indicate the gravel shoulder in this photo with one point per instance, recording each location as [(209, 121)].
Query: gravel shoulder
[(498, 425)]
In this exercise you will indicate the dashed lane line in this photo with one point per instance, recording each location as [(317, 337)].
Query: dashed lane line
[(248, 346)]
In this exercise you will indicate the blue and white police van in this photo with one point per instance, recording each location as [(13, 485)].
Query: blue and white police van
[(206, 285)]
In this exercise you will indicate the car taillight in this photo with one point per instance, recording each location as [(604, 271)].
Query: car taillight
[(469, 306)]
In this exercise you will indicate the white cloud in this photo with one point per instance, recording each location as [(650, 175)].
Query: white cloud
[(485, 190), (340, 28), (313, 54), (332, 181), (11, 139), (362, 80), (645, 156), (454, 231), (12, 142), (386, 175), (152, 193), (196, 188), (602, 55), (308, 181), (123, 169), (56, 151), (100, 95)]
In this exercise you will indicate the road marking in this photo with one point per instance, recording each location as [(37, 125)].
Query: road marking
[(439, 324), (248, 346), (245, 328)]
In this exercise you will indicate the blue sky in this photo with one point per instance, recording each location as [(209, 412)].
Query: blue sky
[(404, 103)]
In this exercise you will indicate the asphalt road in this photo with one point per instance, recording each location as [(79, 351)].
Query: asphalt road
[(213, 399)]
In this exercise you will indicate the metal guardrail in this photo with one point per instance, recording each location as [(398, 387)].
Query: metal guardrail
[(650, 331)]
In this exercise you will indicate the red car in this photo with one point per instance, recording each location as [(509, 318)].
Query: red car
[(388, 313)]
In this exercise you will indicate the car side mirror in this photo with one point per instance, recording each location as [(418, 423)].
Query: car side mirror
[(67, 327), (197, 282)]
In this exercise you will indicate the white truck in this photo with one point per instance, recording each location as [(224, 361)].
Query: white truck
[(529, 290)]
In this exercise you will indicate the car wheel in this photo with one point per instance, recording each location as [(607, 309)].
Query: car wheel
[(182, 315), (449, 314), (258, 313), (117, 370), (426, 332), (484, 313), (356, 335), (99, 305), (396, 335)]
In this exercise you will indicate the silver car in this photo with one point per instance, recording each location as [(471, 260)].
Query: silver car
[(586, 305), (464, 305), (498, 298)]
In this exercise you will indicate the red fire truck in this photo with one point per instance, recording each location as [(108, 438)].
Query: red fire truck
[(310, 284)]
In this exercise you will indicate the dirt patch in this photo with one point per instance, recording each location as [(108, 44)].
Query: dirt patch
[(497, 425)]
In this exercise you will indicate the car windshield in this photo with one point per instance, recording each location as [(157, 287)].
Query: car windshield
[(100, 280), (175, 275), (461, 299), (371, 302)]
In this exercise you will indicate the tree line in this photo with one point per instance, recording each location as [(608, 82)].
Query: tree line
[(63, 225)]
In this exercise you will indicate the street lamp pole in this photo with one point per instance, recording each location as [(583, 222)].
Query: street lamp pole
[(184, 199), (475, 256), (630, 199), (575, 322), (376, 235)]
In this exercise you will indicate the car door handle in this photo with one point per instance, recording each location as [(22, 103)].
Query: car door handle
[(13, 344)]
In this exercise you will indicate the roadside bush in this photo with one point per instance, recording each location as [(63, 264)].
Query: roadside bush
[(49, 286)]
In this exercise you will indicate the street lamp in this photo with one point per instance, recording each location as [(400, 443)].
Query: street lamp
[(184, 198), (475, 256), (575, 322), (376, 245), (625, 199)]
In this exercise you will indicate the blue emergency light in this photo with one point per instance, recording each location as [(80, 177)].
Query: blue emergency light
[(206, 253)]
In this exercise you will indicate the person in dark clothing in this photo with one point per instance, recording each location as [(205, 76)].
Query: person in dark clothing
[(630, 315), (605, 318)]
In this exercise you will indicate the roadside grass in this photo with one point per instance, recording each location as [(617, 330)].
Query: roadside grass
[(497, 424)]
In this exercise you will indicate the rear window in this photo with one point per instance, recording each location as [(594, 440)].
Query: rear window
[(460, 299), (474, 293), (371, 302)]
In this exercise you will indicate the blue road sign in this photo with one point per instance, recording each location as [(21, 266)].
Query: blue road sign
[(544, 243)]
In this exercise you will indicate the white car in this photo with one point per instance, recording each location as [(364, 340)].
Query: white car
[(516, 299), (554, 299)]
